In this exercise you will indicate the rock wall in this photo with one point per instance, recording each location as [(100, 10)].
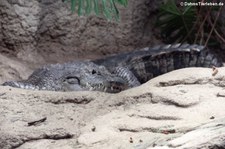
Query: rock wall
[(18, 26), (40, 30)]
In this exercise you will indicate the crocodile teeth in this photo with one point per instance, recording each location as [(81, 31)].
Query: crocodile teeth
[(196, 49), (111, 88), (91, 89)]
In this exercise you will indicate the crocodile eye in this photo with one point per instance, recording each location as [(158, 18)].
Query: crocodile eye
[(93, 71), (72, 80)]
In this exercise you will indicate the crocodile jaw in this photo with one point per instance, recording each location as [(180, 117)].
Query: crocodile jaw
[(109, 85), (21, 85), (113, 86)]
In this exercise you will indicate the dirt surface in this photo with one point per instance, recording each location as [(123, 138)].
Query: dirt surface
[(174, 110)]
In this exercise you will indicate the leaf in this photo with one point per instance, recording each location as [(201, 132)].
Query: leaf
[(106, 7), (80, 7), (122, 2), (115, 10), (175, 23), (96, 9), (73, 5), (106, 10), (88, 6)]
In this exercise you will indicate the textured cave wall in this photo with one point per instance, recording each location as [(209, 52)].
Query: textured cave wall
[(18, 27), (37, 29)]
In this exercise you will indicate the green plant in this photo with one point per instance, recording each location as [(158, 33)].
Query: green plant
[(192, 24), (106, 7)]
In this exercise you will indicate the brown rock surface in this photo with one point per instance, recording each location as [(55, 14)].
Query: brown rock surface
[(181, 109), (14, 69), (47, 30)]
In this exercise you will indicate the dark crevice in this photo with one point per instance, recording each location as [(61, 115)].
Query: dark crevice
[(146, 95), (177, 104), (148, 129), (45, 136), (179, 82), (214, 81), (129, 130), (130, 100), (82, 100), (156, 117)]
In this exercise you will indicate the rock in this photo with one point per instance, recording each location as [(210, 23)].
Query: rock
[(19, 24), (180, 109), (13, 69), (210, 135), (47, 30)]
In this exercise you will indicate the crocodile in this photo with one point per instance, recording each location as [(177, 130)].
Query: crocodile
[(120, 71)]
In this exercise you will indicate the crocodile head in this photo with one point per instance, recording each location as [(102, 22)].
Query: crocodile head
[(73, 76)]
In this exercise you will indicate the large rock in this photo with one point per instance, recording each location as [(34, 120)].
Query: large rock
[(18, 26), (181, 109), (14, 69), (47, 28)]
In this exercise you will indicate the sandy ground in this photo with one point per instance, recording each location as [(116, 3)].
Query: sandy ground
[(179, 110)]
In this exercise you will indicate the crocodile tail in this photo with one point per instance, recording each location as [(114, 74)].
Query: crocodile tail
[(172, 57)]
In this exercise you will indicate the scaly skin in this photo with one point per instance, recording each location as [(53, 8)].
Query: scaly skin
[(116, 73), (148, 63), (73, 76)]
